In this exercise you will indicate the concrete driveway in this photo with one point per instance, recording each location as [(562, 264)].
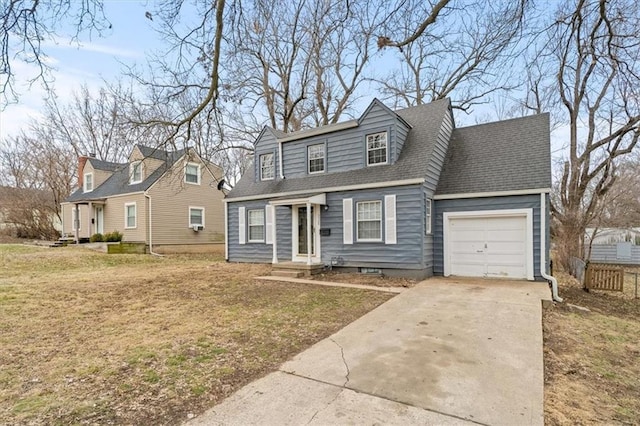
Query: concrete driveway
[(448, 351)]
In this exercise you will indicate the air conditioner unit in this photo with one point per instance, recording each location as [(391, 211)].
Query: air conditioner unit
[(197, 228)]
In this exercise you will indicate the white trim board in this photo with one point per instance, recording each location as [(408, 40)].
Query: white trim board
[(388, 184), (527, 213), (492, 194)]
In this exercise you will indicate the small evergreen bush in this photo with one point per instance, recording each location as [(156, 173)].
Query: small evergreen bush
[(97, 238), (113, 237)]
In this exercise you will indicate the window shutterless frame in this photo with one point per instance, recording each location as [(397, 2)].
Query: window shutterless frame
[(377, 147), (192, 173)]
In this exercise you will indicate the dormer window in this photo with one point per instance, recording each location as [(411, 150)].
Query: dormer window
[(88, 182), (377, 148), (135, 172), (267, 168), (192, 173), (315, 153)]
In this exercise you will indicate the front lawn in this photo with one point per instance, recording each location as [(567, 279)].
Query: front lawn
[(592, 358), (87, 337)]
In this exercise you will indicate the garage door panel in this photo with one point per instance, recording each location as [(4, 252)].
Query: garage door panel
[(488, 246)]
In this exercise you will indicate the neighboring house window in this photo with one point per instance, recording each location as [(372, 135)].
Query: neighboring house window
[(369, 214), (135, 171), (196, 216), (192, 173), (256, 226), (130, 215), (377, 148), (88, 182), (267, 168), (315, 153), (427, 216), (75, 219)]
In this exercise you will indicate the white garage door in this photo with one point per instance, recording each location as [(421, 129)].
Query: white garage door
[(488, 246)]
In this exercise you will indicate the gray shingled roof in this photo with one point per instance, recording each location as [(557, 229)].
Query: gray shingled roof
[(412, 162), (118, 183), (104, 165), (501, 156)]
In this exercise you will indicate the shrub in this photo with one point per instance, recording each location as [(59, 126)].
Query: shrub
[(97, 238), (113, 237)]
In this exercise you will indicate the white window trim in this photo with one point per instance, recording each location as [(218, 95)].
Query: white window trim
[(196, 208), (386, 150), (84, 183), (260, 166), (381, 220), (264, 225), (198, 173), (135, 217), (428, 216), (131, 168), (324, 159)]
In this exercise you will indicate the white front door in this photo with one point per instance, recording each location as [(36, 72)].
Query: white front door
[(99, 219), (300, 235)]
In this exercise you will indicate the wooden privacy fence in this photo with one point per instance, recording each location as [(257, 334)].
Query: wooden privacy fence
[(604, 277)]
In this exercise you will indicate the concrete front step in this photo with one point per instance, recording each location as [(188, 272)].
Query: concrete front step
[(287, 273)]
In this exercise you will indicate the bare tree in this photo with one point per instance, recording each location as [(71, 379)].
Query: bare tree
[(26, 24), (464, 54), (591, 59), (37, 172)]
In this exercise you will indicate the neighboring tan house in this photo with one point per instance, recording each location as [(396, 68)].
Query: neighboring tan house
[(169, 200), (399, 193)]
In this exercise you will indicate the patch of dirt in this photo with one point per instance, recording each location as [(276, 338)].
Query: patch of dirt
[(92, 338), (365, 279), (592, 372)]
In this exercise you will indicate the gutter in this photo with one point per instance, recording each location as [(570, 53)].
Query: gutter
[(148, 197), (543, 252)]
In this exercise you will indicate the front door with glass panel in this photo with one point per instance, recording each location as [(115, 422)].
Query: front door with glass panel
[(301, 235), (100, 219)]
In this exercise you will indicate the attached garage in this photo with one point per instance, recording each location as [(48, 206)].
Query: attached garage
[(490, 243)]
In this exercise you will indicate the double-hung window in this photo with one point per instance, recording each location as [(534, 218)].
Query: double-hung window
[(135, 172), (192, 173), (88, 182), (315, 153), (377, 148), (369, 216), (196, 216), (130, 215), (267, 167), (256, 225)]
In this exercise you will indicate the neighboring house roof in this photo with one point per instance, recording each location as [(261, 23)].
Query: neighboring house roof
[(118, 183), (413, 161), (505, 155), (107, 166)]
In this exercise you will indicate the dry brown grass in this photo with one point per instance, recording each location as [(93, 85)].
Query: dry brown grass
[(88, 337), (592, 368)]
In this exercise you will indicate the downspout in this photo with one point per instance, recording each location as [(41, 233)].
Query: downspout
[(148, 197), (543, 251), (76, 223)]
